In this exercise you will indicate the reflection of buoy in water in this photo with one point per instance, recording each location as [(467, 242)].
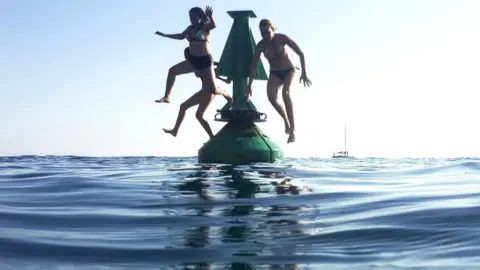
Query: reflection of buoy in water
[(240, 141)]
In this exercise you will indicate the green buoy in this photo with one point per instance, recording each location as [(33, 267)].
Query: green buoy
[(240, 141)]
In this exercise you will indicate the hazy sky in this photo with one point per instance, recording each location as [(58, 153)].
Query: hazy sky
[(80, 77)]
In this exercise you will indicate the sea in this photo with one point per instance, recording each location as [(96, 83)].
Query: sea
[(74, 212)]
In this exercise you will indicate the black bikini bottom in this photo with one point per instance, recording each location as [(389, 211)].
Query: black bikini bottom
[(199, 62), (282, 73)]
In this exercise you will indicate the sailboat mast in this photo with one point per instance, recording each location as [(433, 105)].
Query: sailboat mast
[(345, 138)]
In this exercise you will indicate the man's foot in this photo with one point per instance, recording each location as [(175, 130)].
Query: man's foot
[(163, 100), (291, 138), (171, 132)]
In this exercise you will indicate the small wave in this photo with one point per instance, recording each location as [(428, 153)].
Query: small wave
[(156, 212)]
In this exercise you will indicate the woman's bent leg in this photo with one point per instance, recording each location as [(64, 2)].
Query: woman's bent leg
[(183, 67), (195, 99)]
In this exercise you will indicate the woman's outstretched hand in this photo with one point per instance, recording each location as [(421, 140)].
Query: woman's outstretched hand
[(159, 33), (305, 79)]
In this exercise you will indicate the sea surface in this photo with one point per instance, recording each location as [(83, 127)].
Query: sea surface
[(70, 212)]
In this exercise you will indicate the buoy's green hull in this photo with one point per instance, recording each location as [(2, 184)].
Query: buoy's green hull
[(240, 144)]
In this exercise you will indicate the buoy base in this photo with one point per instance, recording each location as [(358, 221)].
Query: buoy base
[(240, 143)]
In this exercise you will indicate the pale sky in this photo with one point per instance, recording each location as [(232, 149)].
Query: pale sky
[(80, 77)]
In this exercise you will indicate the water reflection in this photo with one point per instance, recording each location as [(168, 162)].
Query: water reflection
[(277, 220), (239, 187), (282, 221), (198, 237)]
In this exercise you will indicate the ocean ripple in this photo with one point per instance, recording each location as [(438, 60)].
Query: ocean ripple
[(70, 212)]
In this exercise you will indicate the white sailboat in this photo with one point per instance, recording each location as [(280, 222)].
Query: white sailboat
[(344, 153)]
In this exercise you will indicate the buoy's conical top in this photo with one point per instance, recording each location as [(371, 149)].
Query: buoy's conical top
[(237, 58), (239, 50)]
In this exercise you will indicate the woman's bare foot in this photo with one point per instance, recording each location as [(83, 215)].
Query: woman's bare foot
[(287, 128), (291, 138), (163, 100), (171, 132), (228, 98)]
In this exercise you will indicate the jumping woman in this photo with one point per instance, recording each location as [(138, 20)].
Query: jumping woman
[(282, 71), (199, 58)]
